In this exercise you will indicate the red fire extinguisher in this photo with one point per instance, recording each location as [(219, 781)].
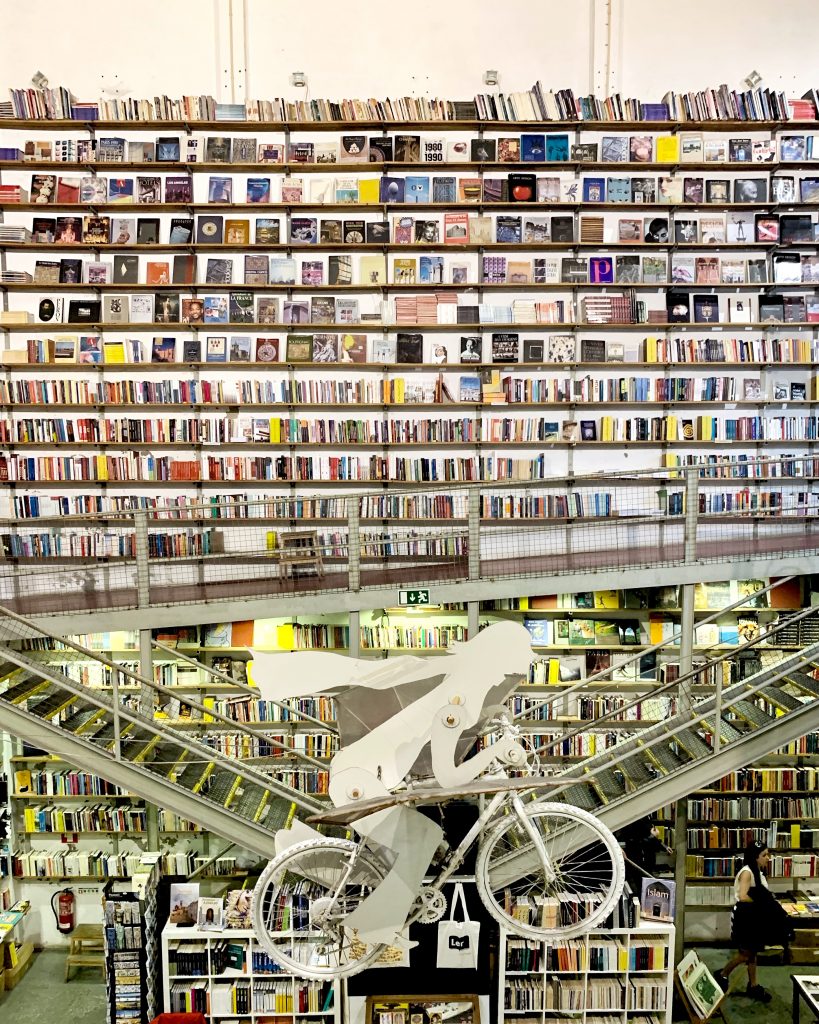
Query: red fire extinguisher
[(64, 911)]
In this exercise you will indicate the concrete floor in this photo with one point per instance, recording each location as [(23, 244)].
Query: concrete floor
[(44, 998)]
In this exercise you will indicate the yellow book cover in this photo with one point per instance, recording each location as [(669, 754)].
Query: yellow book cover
[(672, 431), (372, 269), (523, 604), (668, 149), (271, 542), (275, 430), (209, 702), (399, 390), (22, 781), (13, 958), (285, 637), (368, 190), (795, 836), (102, 467), (651, 350), (29, 820), (655, 629), (607, 599), (264, 634), (113, 352)]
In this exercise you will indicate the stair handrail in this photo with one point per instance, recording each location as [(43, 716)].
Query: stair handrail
[(578, 774), (161, 689), (119, 710), (675, 683), (601, 676)]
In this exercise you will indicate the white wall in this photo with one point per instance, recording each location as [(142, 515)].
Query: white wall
[(433, 47), (663, 44)]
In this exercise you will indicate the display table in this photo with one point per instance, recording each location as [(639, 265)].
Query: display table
[(805, 986)]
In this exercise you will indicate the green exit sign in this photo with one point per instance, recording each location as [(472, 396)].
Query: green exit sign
[(413, 597)]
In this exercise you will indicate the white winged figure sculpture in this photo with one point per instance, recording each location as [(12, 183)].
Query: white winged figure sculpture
[(401, 720)]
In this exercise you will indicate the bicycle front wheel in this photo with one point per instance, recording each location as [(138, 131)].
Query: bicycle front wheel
[(565, 889), (301, 901)]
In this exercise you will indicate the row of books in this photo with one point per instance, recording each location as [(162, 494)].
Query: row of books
[(800, 865), (96, 544), (406, 348), (107, 468), (785, 268), (455, 228), (387, 190), (74, 864), (770, 780), (378, 430), (576, 995), (62, 783), (237, 431), (748, 808), (89, 818), (537, 103), (527, 147)]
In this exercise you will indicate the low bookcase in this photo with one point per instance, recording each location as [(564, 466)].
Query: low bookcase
[(228, 976)]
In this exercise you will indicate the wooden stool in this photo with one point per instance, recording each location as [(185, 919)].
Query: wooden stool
[(86, 948), (299, 550)]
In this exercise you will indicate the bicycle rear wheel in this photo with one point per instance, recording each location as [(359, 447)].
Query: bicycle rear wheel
[(301, 901), (565, 894)]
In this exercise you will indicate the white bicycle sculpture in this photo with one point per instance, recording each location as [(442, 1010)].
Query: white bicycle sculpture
[(544, 870)]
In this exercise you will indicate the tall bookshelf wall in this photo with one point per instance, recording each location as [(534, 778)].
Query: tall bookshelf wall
[(485, 302), (368, 351)]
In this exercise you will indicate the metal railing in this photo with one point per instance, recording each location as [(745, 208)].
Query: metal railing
[(133, 700), (242, 546)]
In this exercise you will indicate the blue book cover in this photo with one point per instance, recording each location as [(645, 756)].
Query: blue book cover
[(540, 631), (416, 189), (258, 190), (557, 147), (215, 309), (594, 190), (532, 147), (619, 190), (121, 190), (601, 270)]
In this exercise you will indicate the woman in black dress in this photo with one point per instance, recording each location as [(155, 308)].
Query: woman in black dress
[(748, 931)]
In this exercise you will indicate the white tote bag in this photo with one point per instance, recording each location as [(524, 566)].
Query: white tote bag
[(458, 940)]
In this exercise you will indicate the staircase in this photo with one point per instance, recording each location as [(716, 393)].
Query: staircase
[(711, 735), (114, 732)]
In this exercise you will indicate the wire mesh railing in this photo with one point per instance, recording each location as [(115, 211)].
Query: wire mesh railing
[(172, 551)]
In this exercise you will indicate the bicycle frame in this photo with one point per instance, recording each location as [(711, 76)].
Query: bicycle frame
[(487, 816)]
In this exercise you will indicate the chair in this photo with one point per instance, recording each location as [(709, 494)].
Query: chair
[(86, 948)]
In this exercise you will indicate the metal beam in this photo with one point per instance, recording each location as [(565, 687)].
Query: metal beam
[(457, 591)]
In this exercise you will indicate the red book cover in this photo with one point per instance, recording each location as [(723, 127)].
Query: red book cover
[(68, 190)]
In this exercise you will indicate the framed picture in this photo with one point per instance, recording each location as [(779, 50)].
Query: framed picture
[(422, 1010)]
